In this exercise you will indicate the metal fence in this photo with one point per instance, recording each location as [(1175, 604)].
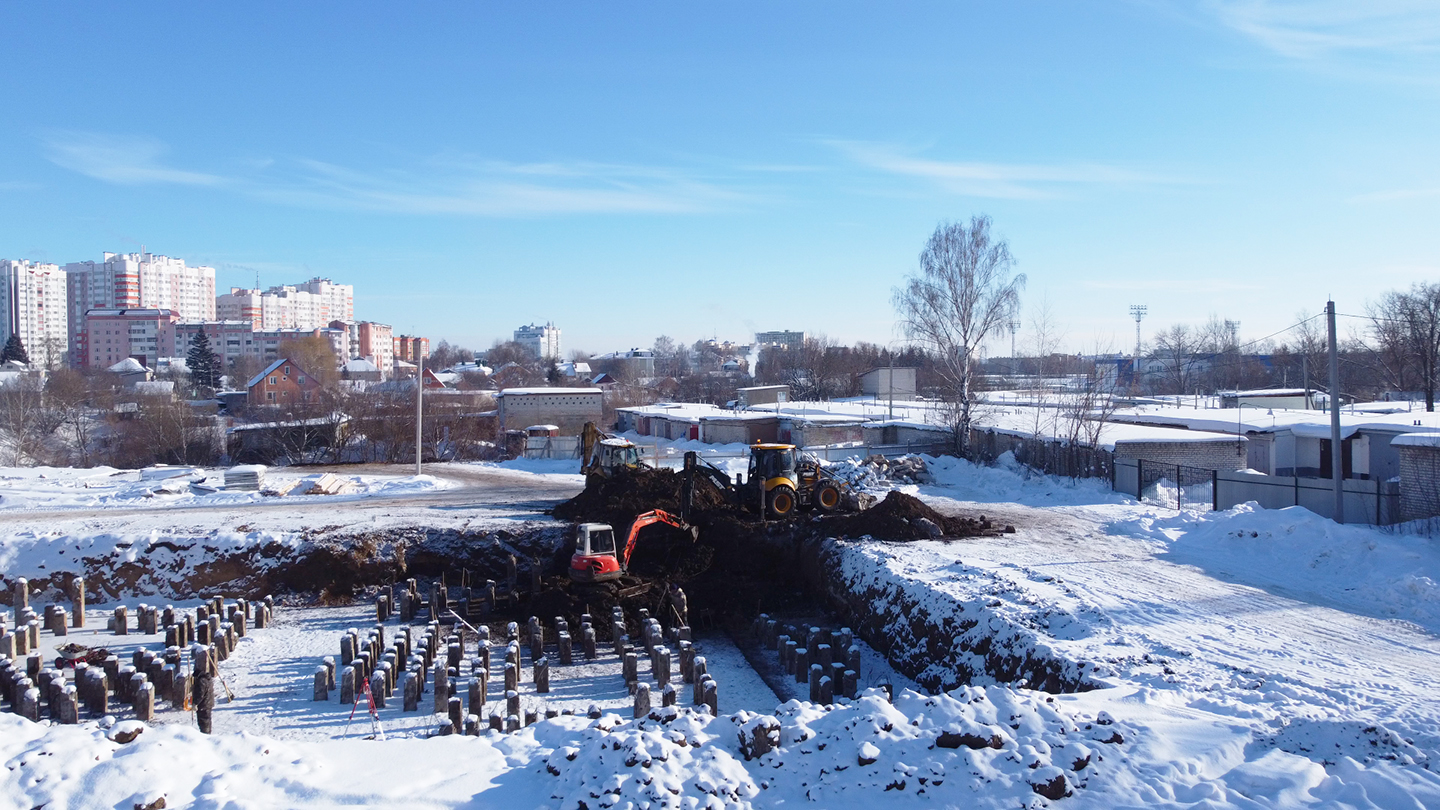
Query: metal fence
[(1366, 501), (1192, 486), (1048, 456), (552, 447)]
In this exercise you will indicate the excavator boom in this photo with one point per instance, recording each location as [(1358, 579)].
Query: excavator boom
[(646, 519)]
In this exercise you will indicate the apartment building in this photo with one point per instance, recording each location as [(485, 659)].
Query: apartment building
[(541, 341), (410, 349), (311, 305), (783, 338), (130, 281), (230, 340), (372, 341), (110, 335), (32, 305)]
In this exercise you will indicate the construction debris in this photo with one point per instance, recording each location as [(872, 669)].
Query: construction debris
[(878, 472)]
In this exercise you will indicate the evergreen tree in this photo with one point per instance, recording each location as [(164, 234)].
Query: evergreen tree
[(204, 365), (14, 350)]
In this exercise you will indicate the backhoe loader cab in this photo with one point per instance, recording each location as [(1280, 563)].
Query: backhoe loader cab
[(615, 454), (780, 482)]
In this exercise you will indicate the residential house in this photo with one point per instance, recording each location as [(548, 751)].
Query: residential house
[(282, 384)]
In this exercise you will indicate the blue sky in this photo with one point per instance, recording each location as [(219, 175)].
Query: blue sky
[(703, 170)]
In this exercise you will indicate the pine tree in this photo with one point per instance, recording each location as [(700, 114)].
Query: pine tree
[(14, 350), (204, 365)]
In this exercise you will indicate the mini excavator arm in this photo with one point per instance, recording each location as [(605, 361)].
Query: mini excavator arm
[(647, 518)]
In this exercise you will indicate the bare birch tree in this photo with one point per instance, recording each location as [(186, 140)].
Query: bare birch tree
[(963, 293)]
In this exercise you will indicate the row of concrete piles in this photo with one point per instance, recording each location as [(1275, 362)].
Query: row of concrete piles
[(436, 660), (33, 688), (471, 601), (828, 660), (25, 637)]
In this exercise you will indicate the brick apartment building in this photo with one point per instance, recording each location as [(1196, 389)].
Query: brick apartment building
[(111, 335)]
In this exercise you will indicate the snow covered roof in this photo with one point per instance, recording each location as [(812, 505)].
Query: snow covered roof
[(1416, 440), (553, 391), (127, 366), (1307, 424), (361, 365), (1267, 392), (254, 381), (155, 387)]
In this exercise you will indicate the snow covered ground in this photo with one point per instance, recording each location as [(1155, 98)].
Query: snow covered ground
[(1246, 659), (65, 488)]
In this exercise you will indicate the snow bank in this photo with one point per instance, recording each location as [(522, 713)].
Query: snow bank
[(1301, 554), (1009, 481)]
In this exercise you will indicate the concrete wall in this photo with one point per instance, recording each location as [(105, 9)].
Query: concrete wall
[(805, 434), (1419, 482), (1221, 454), (744, 431), (906, 434), (877, 383), (569, 411)]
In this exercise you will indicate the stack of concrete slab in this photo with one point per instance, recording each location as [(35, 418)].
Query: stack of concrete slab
[(245, 477)]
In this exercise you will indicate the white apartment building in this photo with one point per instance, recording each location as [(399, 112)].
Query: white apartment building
[(136, 281), (32, 305), (312, 305), (541, 341)]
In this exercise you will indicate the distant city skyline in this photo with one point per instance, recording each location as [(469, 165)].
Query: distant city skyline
[(700, 172)]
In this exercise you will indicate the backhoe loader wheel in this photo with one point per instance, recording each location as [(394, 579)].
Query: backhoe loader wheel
[(782, 502), (827, 498)]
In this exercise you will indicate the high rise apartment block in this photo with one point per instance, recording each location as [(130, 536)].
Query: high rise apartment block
[(374, 342), (541, 341), (312, 305), (128, 281), (32, 305)]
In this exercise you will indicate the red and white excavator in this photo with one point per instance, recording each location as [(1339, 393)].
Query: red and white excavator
[(596, 558)]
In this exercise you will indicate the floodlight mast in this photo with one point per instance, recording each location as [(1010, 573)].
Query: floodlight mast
[(1137, 311)]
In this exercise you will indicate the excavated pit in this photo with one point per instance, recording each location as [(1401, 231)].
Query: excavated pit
[(740, 566)]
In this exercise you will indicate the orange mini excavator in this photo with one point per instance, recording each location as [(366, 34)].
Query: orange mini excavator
[(595, 558)]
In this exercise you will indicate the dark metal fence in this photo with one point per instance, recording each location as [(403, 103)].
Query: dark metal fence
[(1151, 473), (1048, 456)]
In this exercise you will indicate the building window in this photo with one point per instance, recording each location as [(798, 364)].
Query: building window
[(272, 380)]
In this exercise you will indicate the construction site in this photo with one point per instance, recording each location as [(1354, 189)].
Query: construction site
[(856, 626)]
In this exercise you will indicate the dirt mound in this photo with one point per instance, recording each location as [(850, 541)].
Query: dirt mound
[(618, 499), (905, 517)]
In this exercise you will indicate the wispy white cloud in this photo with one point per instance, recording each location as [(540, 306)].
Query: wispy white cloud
[(1312, 29), (1019, 181), (1396, 195), (125, 161), (452, 185)]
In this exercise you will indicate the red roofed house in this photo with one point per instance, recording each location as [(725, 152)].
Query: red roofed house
[(282, 384)]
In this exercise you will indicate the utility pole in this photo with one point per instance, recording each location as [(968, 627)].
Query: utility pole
[(419, 413), (892, 384), (1137, 311), (1337, 466), (1014, 325)]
